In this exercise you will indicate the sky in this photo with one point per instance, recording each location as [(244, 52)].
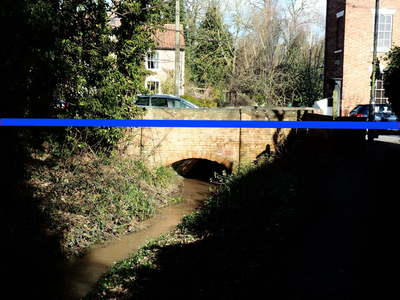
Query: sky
[(229, 11), (227, 5)]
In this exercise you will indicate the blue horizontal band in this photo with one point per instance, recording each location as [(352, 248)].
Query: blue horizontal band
[(201, 123)]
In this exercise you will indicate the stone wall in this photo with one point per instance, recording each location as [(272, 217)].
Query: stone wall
[(227, 146)]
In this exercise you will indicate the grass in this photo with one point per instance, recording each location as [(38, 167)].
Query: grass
[(87, 200), (54, 208), (234, 247), (200, 102)]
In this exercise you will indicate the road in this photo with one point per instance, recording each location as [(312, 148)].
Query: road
[(349, 253)]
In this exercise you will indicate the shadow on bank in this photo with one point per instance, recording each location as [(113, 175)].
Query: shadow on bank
[(243, 235), (30, 257)]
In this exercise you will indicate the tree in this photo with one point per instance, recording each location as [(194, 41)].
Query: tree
[(211, 57), (168, 13), (303, 63), (391, 79), (272, 59), (259, 77), (66, 50)]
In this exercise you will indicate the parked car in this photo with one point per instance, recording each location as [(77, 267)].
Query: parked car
[(159, 100), (61, 104), (383, 112)]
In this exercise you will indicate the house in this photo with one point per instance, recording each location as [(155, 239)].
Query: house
[(349, 49), (161, 62)]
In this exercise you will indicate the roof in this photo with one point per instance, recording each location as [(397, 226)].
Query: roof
[(165, 39)]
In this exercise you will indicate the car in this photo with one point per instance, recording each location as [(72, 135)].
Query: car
[(61, 104), (160, 100), (383, 112)]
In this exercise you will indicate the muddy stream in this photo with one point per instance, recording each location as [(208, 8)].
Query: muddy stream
[(82, 274)]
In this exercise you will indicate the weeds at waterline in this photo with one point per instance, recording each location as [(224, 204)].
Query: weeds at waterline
[(89, 200)]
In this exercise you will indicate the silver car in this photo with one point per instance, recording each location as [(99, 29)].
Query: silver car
[(160, 100)]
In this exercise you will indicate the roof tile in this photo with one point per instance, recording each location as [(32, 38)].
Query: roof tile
[(165, 39)]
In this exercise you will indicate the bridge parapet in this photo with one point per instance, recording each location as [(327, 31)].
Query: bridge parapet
[(228, 146)]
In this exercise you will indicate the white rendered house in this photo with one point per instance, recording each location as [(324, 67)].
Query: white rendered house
[(161, 62)]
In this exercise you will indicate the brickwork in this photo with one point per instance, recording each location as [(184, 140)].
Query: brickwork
[(356, 57), (334, 40), (227, 146)]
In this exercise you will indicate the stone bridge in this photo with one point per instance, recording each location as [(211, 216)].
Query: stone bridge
[(227, 146)]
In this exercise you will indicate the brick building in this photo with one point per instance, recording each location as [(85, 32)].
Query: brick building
[(349, 49)]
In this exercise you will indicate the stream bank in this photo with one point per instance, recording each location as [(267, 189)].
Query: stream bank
[(304, 227), (53, 208), (82, 273)]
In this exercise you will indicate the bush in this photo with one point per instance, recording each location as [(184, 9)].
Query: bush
[(88, 200), (391, 78), (200, 102)]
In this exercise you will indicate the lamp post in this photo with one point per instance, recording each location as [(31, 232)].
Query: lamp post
[(375, 65), (177, 49)]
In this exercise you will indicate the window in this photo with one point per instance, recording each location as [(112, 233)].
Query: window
[(142, 101), (384, 42), (178, 103), (153, 84), (385, 28), (159, 102), (380, 93), (153, 61), (339, 31)]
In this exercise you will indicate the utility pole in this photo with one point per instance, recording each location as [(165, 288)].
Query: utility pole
[(177, 49), (375, 65)]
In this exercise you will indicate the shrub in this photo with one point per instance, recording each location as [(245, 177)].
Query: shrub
[(88, 200), (391, 78), (200, 102)]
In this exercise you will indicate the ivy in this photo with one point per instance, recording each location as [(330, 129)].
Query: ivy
[(55, 50), (391, 79)]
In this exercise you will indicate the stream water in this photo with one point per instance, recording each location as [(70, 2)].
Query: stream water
[(82, 274)]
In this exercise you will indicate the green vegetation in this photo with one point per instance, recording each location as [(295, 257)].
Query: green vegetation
[(53, 208), (89, 200), (258, 53), (59, 203), (64, 189), (68, 51), (391, 79), (200, 102), (211, 56), (122, 276), (240, 238)]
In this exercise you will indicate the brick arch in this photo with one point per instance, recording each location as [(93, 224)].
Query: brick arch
[(229, 147), (200, 155)]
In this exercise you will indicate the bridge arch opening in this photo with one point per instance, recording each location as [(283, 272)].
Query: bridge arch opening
[(199, 168)]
